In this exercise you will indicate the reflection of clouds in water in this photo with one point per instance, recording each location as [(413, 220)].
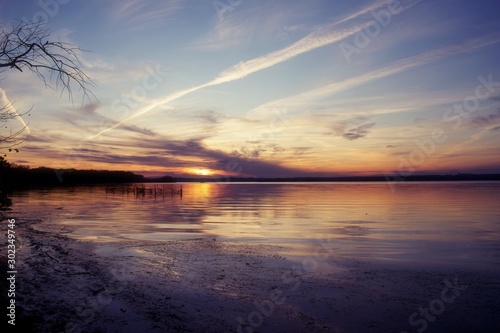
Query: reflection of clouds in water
[(190, 215), (361, 219)]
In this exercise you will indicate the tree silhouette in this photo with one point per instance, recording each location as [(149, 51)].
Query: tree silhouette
[(28, 46), (5, 201), (8, 138)]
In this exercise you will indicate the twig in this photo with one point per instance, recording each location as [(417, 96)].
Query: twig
[(50, 256)]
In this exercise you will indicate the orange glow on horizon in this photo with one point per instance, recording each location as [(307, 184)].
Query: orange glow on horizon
[(201, 172), (372, 163)]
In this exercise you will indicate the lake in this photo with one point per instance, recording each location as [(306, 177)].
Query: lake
[(443, 224)]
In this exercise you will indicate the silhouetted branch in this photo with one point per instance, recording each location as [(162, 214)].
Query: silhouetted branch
[(27, 45), (8, 138)]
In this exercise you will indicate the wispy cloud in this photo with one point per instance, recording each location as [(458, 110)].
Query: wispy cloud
[(322, 36), (393, 69), (486, 124), (247, 24), (315, 40), (487, 120), (319, 38), (365, 10), (140, 15), (88, 114), (234, 31), (159, 152), (358, 132)]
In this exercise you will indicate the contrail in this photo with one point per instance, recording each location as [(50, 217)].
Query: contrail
[(392, 69), (150, 107), (365, 10), (321, 37), (7, 104), (312, 41)]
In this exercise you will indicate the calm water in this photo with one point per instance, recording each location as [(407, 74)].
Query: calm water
[(455, 224)]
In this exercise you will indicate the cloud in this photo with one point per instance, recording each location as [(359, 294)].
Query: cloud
[(252, 149), (269, 21), (41, 138), (317, 39), (301, 150), (365, 10), (358, 132), (209, 116), (90, 108), (234, 31), (165, 152), (393, 69), (345, 128), (486, 120), (322, 36), (137, 129), (88, 114), (139, 15), (485, 125)]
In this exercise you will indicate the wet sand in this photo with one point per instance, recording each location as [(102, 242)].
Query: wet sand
[(201, 285)]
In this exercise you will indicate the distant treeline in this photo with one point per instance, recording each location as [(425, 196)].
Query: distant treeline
[(16, 177), (381, 178), (24, 177)]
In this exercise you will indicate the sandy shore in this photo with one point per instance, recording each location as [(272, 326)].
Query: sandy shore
[(65, 285)]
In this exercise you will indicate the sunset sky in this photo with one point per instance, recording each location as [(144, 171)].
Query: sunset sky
[(266, 88)]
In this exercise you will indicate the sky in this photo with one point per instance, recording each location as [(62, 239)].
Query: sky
[(274, 88)]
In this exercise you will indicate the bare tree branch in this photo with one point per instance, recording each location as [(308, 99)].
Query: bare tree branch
[(27, 45), (8, 138)]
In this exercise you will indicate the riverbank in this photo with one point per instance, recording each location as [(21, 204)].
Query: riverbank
[(204, 285)]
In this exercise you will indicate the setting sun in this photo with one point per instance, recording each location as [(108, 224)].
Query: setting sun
[(202, 172)]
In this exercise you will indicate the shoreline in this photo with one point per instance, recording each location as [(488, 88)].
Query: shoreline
[(67, 285)]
